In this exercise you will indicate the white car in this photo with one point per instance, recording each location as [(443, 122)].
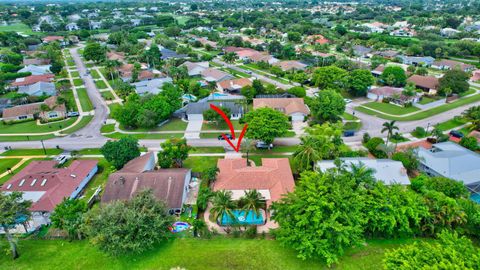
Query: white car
[(72, 114), (61, 159), (347, 100)]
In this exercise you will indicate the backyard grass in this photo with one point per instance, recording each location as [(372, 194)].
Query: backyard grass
[(198, 164), (32, 152), (32, 127), (426, 100), (100, 84), (100, 178), (107, 128), (390, 108), (107, 95), (352, 126), (77, 82), (89, 151), (94, 74), (85, 120), (75, 74), (84, 100), (7, 163), (427, 113), (8, 176), (192, 254)]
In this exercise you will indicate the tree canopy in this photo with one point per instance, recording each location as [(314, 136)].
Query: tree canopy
[(266, 124), (328, 105), (118, 153)]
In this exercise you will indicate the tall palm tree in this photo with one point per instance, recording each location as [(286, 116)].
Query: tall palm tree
[(362, 173), (222, 204), (473, 116), (307, 154), (247, 146), (389, 127), (252, 201)]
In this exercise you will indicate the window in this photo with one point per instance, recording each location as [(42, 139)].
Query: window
[(22, 117), (33, 182), (21, 183), (52, 115), (43, 182)]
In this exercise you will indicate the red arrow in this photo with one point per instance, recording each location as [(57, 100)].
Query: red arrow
[(232, 130)]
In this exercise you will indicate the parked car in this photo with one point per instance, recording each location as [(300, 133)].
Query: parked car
[(72, 114), (263, 145), (229, 136), (248, 72), (348, 133), (456, 134), (347, 100), (61, 159)]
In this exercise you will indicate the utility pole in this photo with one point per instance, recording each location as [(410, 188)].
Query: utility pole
[(43, 146)]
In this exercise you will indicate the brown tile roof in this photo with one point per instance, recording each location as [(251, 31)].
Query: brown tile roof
[(274, 175), (52, 38), (215, 74), (145, 75), (475, 76), (285, 105), (120, 56), (137, 165), (453, 64), (429, 82), (235, 83), (32, 79), (33, 108), (36, 61), (290, 64), (60, 182)]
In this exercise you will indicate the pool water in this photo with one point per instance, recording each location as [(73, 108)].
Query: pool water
[(475, 198), (179, 226), (240, 219)]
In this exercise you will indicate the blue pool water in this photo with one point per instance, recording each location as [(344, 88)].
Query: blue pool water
[(475, 198), (219, 95), (240, 219)]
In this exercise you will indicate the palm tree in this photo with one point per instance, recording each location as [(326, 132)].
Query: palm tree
[(111, 66), (473, 116), (389, 127), (362, 173), (307, 154), (247, 146), (222, 204), (252, 201)]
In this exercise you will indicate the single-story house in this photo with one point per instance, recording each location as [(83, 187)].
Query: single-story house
[(118, 56), (378, 71), (49, 39), (153, 86), (32, 110), (194, 111), (289, 65), (428, 84), (475, 75), (71, 26), (215, 75), (32, 79), (317, 39), (292, 107), (449, 32), (389, 54), (417, 60), (36, 61), (450, 64), (205, 41), (386, 170), (38, 89), (272, 180), (167, 54), (233, 86), (168, 185), (451, 160), (379, 93), (195, 68), (362, 51), (46, 186), (36, 70)]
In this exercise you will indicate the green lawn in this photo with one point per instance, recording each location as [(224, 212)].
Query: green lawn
[(222, 126), (31, 152), (426, 113), (100, 178), (18, 27), (259, 71), (192, 254), (107, 128), (94, 74), (452, 123), (145, 136), (78, 82), (7, 163), (113, 106), (75, 74), (32, 127), (100, 84), (426, 100), (352, 126), (17, 138), (198, 164), (107, 95), (7, 177), (69, 99), (84, 100), (90, 151), (174, 124), (214, 149), (390, 108), (349, 117), (85, 120)]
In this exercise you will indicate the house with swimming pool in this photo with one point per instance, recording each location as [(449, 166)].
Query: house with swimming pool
[(272, 180)]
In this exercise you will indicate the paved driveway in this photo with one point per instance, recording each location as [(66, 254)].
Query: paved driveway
[(193, 129)]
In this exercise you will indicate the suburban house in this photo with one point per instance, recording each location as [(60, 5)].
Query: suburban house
[(116, 56), (450, 64), (152, 86), (215, 75), (36, 61), (317, 39), (449, 32), (194, 111), (396, 94), (247, 54), (36, 70), (361, 51), (272, 179), (38, 89), (33, 110), (423, 61), (388, 54), (168, 185), (233, 86), (126, 72), (386, 170), (475, 75), (375, 27), (195, 68), (32, 79), (292, 107), (205, 41), (451, 160), (290, 65), (46, 186), (72, 26), (378, 71), (59, 39), (428, 84), (168, 54)]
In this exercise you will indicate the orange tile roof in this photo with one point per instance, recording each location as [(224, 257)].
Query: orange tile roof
[(32, 79), (285, 105)]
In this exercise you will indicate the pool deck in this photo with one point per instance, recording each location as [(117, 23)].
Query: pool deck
[(265, 228)]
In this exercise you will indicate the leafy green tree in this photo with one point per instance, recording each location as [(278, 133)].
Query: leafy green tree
[(230, 57), (447, 186), (330, 77), (373, 147), (172, 31), (213, 116), (409, 159), (340, 29), (394, 76), (248, 92), (266, 124), (12, 208), (210, 174), (68, 216), (456, 80), (174, 152), (297, 91), (118, 153), (450, 251), (95, 52), (327, 106), (472, 115), (359, 81), (294, 36), (124, 227), (321, 217), (204, 196), (222, 204), (469, 142)]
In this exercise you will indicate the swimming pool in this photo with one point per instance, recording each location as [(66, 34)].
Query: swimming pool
[(240, 219), (179, 226), (475, 198)]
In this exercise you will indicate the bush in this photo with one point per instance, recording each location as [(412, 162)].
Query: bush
[(420, 132), (469, 143), (366, 137), (372, 146), (251, 232)]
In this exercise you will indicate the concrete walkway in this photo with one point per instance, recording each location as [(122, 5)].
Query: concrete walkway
[(20, 163), (193, 130)]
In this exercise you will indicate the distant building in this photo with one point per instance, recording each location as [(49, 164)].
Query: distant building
[(450, 64), (424, 61), (449, 32), (153, 86), (396, 94), (234, 85), (36, 70), (33, 110), (215, 75), (428, 84), (195, 68), (290, 65), (72, 27), (292, 107)]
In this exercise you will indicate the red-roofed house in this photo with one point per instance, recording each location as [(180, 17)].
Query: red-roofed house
[(475, 75), (292, 107), (317, 39), (272, 180), (233, 86), (59, 39), (46, 186), (32, 79)]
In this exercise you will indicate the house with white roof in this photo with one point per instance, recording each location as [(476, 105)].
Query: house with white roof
[(153, 86), (386, 170), (36, 70)]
